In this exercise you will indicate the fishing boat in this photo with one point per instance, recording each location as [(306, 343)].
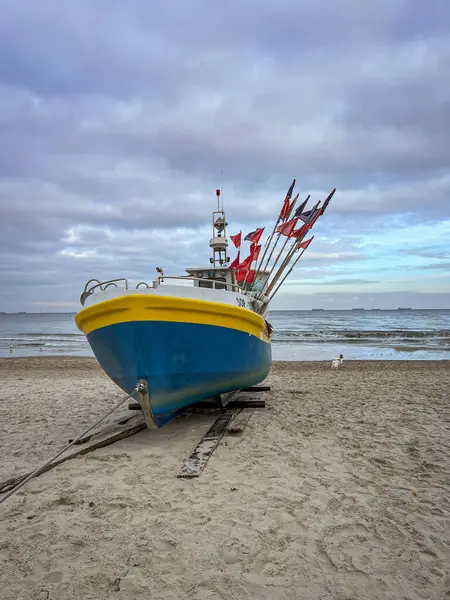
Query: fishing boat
[(204, 334), (189, 337)]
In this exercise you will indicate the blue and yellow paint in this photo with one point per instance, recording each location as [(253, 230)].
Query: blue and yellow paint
[(186, 349)]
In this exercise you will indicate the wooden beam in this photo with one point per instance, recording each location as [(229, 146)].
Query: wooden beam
[(205, 405), (233, 405), (194, 465), (239, 423), (257, 388)]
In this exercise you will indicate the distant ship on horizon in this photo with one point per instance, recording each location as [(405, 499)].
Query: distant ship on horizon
[(358, 309), (317, 309), (403, 308)]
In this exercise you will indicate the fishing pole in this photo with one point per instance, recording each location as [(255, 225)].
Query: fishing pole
[(290, 271), (269, 241)]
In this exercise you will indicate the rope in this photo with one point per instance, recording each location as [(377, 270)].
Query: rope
[(39, 470)]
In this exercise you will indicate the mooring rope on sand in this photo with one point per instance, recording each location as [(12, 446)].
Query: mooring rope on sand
[(42, 468)]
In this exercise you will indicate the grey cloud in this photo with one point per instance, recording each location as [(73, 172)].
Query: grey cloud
[(233, 127), (439, 254), (120, 118), (445, 266)]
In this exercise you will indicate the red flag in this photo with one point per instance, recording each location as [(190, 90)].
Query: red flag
[(248, 275), (244, 267), (285, 210), (254, 251), (291, 205), (305, 244), (301, 231), (236, 239), (245, 264), (254, 236), (235, 262), (287, 229), (286, 204)]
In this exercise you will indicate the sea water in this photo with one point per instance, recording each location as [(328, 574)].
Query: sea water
[(298, 335)]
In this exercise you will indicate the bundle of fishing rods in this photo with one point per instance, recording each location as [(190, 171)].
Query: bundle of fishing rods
[(264, 286)]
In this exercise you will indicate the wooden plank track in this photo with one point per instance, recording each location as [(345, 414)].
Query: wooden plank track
[(195, 464), (239, 423)]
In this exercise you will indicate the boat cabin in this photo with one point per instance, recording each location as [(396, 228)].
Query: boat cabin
[(206, 276)]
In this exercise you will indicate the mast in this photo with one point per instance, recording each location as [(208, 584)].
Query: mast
[(219, 242)]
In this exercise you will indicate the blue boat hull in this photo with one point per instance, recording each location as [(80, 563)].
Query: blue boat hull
[(182, 362)]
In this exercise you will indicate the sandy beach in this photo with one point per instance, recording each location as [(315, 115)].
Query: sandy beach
[(339, 489)]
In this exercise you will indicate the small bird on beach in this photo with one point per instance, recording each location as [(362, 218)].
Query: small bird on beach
[(337, 363)]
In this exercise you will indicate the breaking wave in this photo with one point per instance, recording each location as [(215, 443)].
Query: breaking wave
[(435, 338)]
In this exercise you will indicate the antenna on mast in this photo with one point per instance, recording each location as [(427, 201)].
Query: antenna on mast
[(218, 199)]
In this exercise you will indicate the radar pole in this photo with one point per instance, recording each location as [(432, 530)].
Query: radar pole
[(219, 242)]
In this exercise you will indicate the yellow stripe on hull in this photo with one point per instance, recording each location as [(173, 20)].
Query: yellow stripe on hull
[(148, 307)]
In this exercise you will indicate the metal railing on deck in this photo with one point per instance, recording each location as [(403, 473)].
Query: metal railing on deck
[(223, 285), (104, 285)]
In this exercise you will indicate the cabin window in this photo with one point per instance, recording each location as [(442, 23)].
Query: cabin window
[(221, 286), (208, 283)]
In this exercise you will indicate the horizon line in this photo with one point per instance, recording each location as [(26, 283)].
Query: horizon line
[(354, 309)]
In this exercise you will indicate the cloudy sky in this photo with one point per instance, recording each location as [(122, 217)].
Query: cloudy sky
[(117, 119)]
